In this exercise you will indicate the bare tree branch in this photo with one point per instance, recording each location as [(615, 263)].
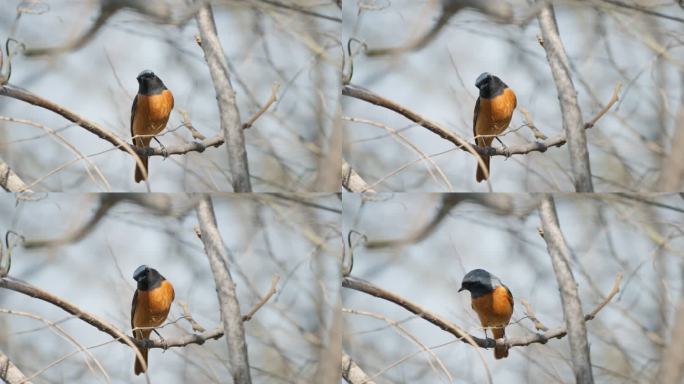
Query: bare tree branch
[(541, 338), (522, 149), (499, 10), (572, 307), (158, 203), (352, 373), (17, 285), (352, 182), (25, 288), (572, 117), (501, 204), (225, 95), (225, 288), (157, 10), (10, 373), (672, 174), (368, 96), (10, 181), (28, 97), (672, 366)]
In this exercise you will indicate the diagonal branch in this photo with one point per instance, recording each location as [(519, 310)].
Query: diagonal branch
[(10, 373), (352, 373), (533, 338), (572, 307), (225, 95), (572, 117), (225, 288), (352, 182), (28, 97), (10, 181), (522, 149), (25, 288)]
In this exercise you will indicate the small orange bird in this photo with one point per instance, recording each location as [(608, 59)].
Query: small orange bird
[(151, 303), (493, 303), (149, 114), (493, 111)]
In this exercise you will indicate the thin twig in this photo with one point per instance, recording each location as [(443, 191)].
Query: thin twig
[(274, 97)]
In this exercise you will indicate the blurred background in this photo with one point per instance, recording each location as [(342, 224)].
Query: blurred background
[(638, 236), (607, 44), (294, 146), (294, 237)]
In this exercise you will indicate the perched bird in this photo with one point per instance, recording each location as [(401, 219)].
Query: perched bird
[(493, 111), (149, 113), (493, 303), (151, 303)]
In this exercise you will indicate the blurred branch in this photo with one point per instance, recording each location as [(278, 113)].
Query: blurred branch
[(272, 291), (671, 367), (10, 373), (643, 9), (10, 181), (613, 99), (159, 11), (225, 288), (646, 199), (538, 325), (302, 10), (502, 11), (534, 338), (352, 373), (501, 204), (225, 95), (196, 327), (572, 117), (274, 97), (92, 170), (672, 174), (352, 182), (305, 200), (572, 307), (329, 369), (158, 203)]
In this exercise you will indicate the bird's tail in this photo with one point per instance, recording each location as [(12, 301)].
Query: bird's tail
[(499, 351), (139, 176), (481, 175), (138, 364), (140, 335)]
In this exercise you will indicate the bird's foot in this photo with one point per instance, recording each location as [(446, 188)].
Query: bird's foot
[(165, 153), (505, 148)]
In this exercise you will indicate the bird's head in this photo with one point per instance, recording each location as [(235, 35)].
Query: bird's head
[(479, 282), (147, 277)]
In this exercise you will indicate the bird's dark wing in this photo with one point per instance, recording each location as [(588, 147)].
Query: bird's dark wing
[(135, 301), (135, 102), (477, 111)]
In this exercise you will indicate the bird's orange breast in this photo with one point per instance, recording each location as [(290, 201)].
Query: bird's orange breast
[(153, 306), (152, 113), (494, 309), (495, 113)]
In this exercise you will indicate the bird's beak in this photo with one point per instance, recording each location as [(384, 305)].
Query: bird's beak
[(461, 289)]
